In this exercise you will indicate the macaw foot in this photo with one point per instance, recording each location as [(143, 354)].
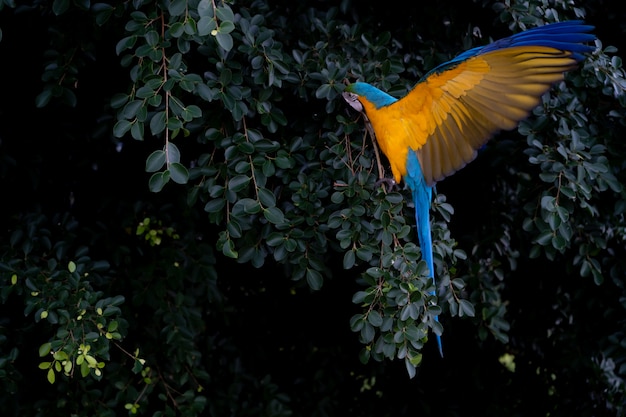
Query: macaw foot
[(389, 183)]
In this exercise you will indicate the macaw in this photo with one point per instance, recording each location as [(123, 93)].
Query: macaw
[(438, 127)]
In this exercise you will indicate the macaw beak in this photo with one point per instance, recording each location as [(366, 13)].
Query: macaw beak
[(353, 100)]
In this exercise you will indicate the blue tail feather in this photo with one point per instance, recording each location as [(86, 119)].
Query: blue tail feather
[(422, 197)]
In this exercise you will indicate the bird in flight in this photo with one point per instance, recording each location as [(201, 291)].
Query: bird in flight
[(440, 124)]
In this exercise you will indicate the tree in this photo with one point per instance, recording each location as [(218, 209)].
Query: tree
[(194, 224)]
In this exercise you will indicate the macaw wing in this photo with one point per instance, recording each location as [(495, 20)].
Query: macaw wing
[(460, 105), (454, 112)]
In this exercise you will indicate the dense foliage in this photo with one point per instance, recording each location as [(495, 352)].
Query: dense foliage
[(194, 223)]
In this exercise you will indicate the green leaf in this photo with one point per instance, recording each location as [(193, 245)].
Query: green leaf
[(174, 124), (466, 308), (155, 161), (225, 13), (314, 279), (125, 43), (121, 127), (205, 92), (598, 278), (559, 243), (349, 259), (103, 12), (215, 205), (364, 356), (178, 173), (250, 206), (137, 366), (45, 349), (226, 26), (117, 300), (60, 6), (118, 100), (266, 197), (238, 183), (51, 376), (274, 215), (177, 7), (359, 297), (374, 318), (367, 333), (324, 91), (229, 249), (143, 92), (61, 355), (206, 25), (224, 40), (43, 98), (205, 8), (410, 310), (190, 27), (544, 238), (177, 29), (136, 130), (84, 368), (158, 181), (157, 123), (152, 38), (172, 152), (410, 368)]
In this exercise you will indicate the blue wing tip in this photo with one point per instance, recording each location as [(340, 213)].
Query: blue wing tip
[(569, 35)]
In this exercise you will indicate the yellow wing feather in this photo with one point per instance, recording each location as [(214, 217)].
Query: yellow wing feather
[(451, 114)]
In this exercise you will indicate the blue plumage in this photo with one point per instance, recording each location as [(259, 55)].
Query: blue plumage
[(422, 196), (377, 97), (564, 36)]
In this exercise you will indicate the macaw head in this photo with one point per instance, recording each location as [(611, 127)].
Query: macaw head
[(357, 93), (352, 98)]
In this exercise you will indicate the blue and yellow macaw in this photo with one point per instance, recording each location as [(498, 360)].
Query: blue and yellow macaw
[(437, 128)]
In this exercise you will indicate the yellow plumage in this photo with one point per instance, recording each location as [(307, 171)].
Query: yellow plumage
[(451, 114)]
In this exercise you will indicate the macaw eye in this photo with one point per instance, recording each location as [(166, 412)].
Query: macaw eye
[(353, 100)]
